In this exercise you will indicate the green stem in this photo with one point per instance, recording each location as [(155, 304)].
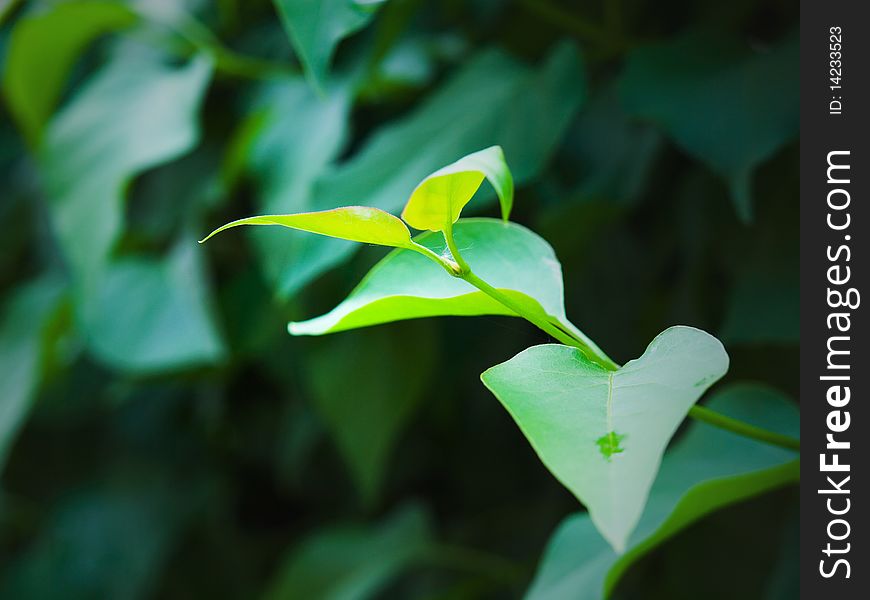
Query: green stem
[(463, 270), (700, 413)]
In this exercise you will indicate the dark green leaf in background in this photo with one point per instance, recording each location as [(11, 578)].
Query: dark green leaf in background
[(352, 562), (723, 104), (316, 28), (707, 469), (44, 47), (366, 386), (23, 321), (136, 113)]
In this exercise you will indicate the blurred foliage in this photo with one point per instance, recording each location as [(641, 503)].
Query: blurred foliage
[(160, 433)]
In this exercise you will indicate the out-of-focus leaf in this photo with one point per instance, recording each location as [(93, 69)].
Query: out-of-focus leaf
[(43, 47), (133, 115), (764, 305), (603, 433), (708, 469), (406, 285), (25, 316), (493, 100), (355, 223), (316, 28), (146, 315), (352, 563), (610, 156), (285, 145), (727, 107), (441, 196), (106, 542), (378, 391)]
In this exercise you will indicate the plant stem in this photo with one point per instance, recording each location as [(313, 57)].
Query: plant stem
[(592, 352), (721, 421)]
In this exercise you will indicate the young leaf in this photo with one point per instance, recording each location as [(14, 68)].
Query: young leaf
[(524, 110), (602, 433), (316, 28), (354, 223), (42, 50), (439, 199), (406, 285), (696, 478)]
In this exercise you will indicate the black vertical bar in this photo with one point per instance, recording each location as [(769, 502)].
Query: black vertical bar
[(835, 221)]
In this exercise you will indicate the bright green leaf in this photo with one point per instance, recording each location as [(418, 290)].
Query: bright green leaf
[(132, 115), (523, 110), (729, 108), (439, 199), (354, 223), (364, 409), (43, 48), (352, 562), (602, 433), (316, 28), (407, 285), (146, 315), (24, 318), (707, 469)]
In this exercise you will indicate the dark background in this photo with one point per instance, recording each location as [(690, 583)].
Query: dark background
[(187, 454)]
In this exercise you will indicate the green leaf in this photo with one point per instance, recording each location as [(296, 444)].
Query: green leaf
[(706, 470), (407, 285), (26, 313), (722, 104), (316, 28), (352, 562), (150, 315), (134, 114), (43, 48), (602, 433), (354, 223), (439, 199), (364, 409), (524, 110)]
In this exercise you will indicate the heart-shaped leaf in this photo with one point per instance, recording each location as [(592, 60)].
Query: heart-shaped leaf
[(602, 433), (696, 478), (354, 223), (438, 200), (406, 285)]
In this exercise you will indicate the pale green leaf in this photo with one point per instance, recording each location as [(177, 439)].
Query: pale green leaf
[(316, 28), (134, 114), (602, 433), (407, 285), (439, 199), (165, 321), (43, 48), (25, 314), (364, 409), (353, 223), (352, 562), (696, 477), (728, 107), (524, 110)]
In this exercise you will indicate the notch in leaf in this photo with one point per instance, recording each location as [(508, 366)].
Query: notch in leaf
[(355, 223), (437, 201)]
